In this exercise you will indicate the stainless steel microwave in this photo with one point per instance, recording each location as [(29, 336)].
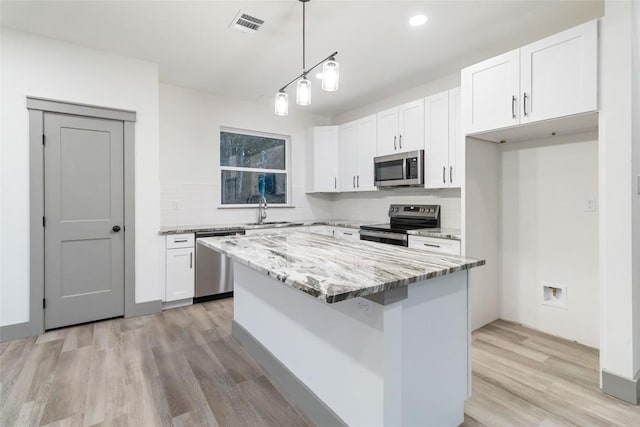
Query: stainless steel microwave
[(399, 170)]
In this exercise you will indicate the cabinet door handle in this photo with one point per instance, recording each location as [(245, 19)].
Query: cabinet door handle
[(180, 241), (190, 259), (432, 246), (354, 181), (395, 147), (335, 182), (400, 141), (444, 174), (524, 105), (358, 181), (513, 107), (451, 174)]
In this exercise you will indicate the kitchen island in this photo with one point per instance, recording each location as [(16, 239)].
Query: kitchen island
[(355, 332)]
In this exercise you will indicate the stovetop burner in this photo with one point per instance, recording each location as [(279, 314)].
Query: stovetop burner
[(402, 218)]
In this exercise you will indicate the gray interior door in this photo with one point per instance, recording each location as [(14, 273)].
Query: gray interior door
[(84, 210)]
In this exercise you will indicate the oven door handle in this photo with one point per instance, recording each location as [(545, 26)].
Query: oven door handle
[(383, 234)]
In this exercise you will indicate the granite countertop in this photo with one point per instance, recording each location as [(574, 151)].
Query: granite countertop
[(177, 229), (335, 270), (441, 233)]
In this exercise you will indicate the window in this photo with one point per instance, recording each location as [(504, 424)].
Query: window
[(253, 165)]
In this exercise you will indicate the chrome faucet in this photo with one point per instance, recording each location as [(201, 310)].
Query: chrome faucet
[(262, 209)]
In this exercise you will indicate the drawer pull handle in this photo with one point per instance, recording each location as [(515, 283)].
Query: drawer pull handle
[(348, 234), (433, 246), (180, 241)]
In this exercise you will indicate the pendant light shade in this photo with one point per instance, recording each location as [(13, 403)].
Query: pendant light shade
[(282, 104), (330, 75), (303, 92)]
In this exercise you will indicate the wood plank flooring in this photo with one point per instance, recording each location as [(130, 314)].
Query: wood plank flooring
[(182, 368)]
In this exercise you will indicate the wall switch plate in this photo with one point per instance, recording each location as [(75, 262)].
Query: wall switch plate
[(590, 205)]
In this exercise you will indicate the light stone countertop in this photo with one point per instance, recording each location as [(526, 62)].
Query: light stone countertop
[(335, 270), (177, 229), (440, 233)]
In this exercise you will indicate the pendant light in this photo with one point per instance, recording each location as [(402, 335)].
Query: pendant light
[(282, 103), (330, 76)]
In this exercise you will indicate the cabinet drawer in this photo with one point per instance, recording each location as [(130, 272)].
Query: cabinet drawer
[(444, 246), (185, 240), (347, 233)]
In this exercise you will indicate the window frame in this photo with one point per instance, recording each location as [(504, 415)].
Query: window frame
[(286, 170)]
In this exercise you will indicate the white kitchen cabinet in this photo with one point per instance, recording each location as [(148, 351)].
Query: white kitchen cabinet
[(559, 74), (348, 155), (387, 131), (411, 126), (357, 142), (433, 244), (443, 140), (367, 144), (323, 162), (551, 78), (347, 233), (490, 93), (401, 128), (179, 283)]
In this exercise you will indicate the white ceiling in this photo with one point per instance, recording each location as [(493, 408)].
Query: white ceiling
[(379, 53)]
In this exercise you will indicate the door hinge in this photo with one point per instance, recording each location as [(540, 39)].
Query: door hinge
[(43, 139), (44, 221), (44, 303)]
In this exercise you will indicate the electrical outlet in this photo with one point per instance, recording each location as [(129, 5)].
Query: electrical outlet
[(590, 205), (174, 205), (365, 307)]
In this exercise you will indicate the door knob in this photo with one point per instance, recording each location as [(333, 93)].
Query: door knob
[(116, 228)]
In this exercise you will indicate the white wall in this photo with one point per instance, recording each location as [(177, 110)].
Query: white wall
[(429, 88), (616, 187), (190, 124), (41, 67), (547, 237), (374, 206), (481, 228), (635, 116)]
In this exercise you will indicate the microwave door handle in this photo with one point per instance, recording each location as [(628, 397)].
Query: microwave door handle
[(405, 173)]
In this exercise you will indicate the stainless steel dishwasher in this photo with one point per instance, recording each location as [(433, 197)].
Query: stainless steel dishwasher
[(214, 271)]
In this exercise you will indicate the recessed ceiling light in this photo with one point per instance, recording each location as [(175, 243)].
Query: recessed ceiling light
[(417, 20), (319, 76)]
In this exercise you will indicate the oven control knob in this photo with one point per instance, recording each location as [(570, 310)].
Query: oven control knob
[(421, 210)]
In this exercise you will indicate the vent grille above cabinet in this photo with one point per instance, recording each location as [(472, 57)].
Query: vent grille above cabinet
[(246, 23)]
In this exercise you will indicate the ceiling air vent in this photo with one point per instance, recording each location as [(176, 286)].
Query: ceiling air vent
[(246, 23)]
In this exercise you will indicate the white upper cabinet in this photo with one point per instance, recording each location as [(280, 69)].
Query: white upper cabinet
[(436, 109), (388, 131), (559, 74), (323, 164), (443, 140), (456, 139), (348, 156), (401, 128), (490, 93), (366, 136), (411, 126), (551, 78), (357, 149)]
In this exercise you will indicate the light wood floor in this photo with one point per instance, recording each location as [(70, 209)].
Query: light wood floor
[(181, 367)]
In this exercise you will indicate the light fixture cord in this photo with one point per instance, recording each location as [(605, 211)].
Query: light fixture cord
[(304, 4)]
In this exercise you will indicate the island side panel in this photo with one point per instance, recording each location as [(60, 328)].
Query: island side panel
[(336, 350), (435, 351)]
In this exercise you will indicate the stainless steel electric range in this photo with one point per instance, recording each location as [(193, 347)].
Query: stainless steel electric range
[(402, 218)]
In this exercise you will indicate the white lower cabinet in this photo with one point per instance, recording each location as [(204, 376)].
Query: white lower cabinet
[(347, 233), (433, 244), (180, 259)]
